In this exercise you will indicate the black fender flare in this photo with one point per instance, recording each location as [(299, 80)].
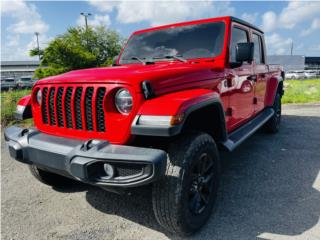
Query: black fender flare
[(170, 131)]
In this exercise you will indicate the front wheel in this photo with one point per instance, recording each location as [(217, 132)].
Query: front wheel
[(49, 178), (183, 200)]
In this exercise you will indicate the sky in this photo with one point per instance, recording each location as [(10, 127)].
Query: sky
[(283, 22)]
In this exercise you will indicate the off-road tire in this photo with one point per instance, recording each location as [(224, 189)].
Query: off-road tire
[(273, 124), (49, 178), (170, 195)]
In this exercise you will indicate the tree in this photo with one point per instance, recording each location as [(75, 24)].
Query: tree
[(78, 48), (36, 52)]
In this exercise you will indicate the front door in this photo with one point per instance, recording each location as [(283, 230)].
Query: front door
[(241, 91)]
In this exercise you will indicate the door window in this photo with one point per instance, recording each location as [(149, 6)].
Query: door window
[(258, 55), (238, 36)]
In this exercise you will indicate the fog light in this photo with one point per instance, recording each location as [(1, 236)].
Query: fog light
[(109, 171)]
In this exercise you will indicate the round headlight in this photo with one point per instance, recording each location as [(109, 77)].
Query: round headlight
[(39, 96), (123, 101)]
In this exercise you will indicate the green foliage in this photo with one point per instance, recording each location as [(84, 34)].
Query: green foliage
[(9, 102), (48, 71), (301, 91), (36, 52), (78, 49)]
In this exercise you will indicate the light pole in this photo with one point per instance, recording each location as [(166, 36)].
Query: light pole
[(86, 15), (37, 35)]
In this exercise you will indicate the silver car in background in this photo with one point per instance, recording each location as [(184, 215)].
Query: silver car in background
[(8, 83), (310, 74), (25, 82), (295, 75)]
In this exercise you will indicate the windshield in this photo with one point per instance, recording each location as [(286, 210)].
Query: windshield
[(192, 41), (25, 79)]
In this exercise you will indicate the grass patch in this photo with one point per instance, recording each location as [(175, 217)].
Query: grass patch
[(9, 102), (301, 91)]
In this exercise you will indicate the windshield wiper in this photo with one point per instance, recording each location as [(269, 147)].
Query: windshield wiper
[(137, 58), (147, 62), (177, 57)]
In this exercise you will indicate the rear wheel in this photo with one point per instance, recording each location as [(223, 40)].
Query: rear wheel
[(184, 198), (49, 178), (273, 125)]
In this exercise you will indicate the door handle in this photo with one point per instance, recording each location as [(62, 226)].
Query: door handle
[(252, 78)]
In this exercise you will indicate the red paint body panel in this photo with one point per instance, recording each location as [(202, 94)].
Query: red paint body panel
[(272, 86), (177, 86), (179, 102), (25, 101), (117, 125)]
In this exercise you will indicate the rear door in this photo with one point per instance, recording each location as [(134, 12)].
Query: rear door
[(241, 92), (260, 70)]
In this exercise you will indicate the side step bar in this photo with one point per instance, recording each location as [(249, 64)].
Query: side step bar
[(245, 131)]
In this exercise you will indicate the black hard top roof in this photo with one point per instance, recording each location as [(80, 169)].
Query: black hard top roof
[(238, 20)]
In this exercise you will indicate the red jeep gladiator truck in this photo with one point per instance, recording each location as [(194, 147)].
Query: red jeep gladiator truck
[(174, 96)]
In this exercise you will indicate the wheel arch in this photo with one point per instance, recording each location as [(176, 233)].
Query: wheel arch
[(274, 86), (207, 117), (201, 109)]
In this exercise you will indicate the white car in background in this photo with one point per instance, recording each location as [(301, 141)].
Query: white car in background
[(310, 74), (295, 75)]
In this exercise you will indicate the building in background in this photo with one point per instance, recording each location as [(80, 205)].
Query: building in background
[(17, 69), (289, 62), (312, 63)]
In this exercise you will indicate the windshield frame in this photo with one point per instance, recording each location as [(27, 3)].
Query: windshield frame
[(199, 22)]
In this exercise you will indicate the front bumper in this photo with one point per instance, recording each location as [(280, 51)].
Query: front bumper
[(86, 160)]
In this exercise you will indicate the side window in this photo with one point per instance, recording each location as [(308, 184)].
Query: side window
[(238, 36), (258, 54)]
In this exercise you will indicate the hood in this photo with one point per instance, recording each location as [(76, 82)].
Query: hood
[(162, 75)]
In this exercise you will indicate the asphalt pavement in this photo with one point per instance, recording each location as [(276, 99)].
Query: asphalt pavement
[(270, 190)]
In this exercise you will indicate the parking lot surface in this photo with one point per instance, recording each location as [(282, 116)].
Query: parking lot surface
[(270, 190)]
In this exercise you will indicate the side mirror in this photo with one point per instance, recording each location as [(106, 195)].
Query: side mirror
[(114, 60), (244, 53)]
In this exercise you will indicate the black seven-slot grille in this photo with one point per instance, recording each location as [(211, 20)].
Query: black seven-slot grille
[(74, 107)]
